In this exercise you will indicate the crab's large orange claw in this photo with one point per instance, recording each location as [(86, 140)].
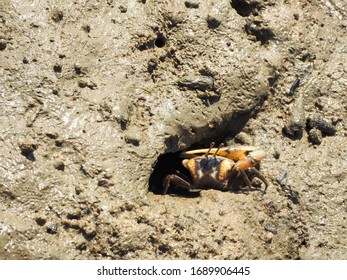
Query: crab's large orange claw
[(257, 155), (250, 160), (234, 153)]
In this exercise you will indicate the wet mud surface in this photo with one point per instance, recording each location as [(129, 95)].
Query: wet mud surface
[(98, 97)]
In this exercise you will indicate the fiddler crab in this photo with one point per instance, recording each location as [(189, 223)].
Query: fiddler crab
[(222, 168)]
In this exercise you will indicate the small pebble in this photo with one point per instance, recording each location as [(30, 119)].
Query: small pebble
[(270, 228), (59, 164), (197, 82), (105, 182), (57, 15), (315, 136), (192, 4), (28, 146), (52, 228), (133, 137), (41, 220), (294, 86), (52, 134), (322, 124), (82, 83), (213, 22), (243, 138), (3, 46), (86, 28), (296, 121), (123, 9)]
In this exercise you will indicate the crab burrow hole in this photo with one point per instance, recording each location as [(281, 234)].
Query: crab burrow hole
[(168, 163)]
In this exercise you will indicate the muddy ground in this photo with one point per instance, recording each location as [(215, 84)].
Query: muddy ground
[(97, 98)]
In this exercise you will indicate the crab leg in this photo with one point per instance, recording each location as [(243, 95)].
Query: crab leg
[(247, 162), (178, 181), (260, 176), (235, 173)]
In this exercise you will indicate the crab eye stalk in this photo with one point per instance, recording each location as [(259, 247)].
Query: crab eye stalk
[(219, 147), (208, 152)]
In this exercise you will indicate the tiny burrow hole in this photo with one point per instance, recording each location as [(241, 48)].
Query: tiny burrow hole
[(160, 42), (57, 68), (245, 9)]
